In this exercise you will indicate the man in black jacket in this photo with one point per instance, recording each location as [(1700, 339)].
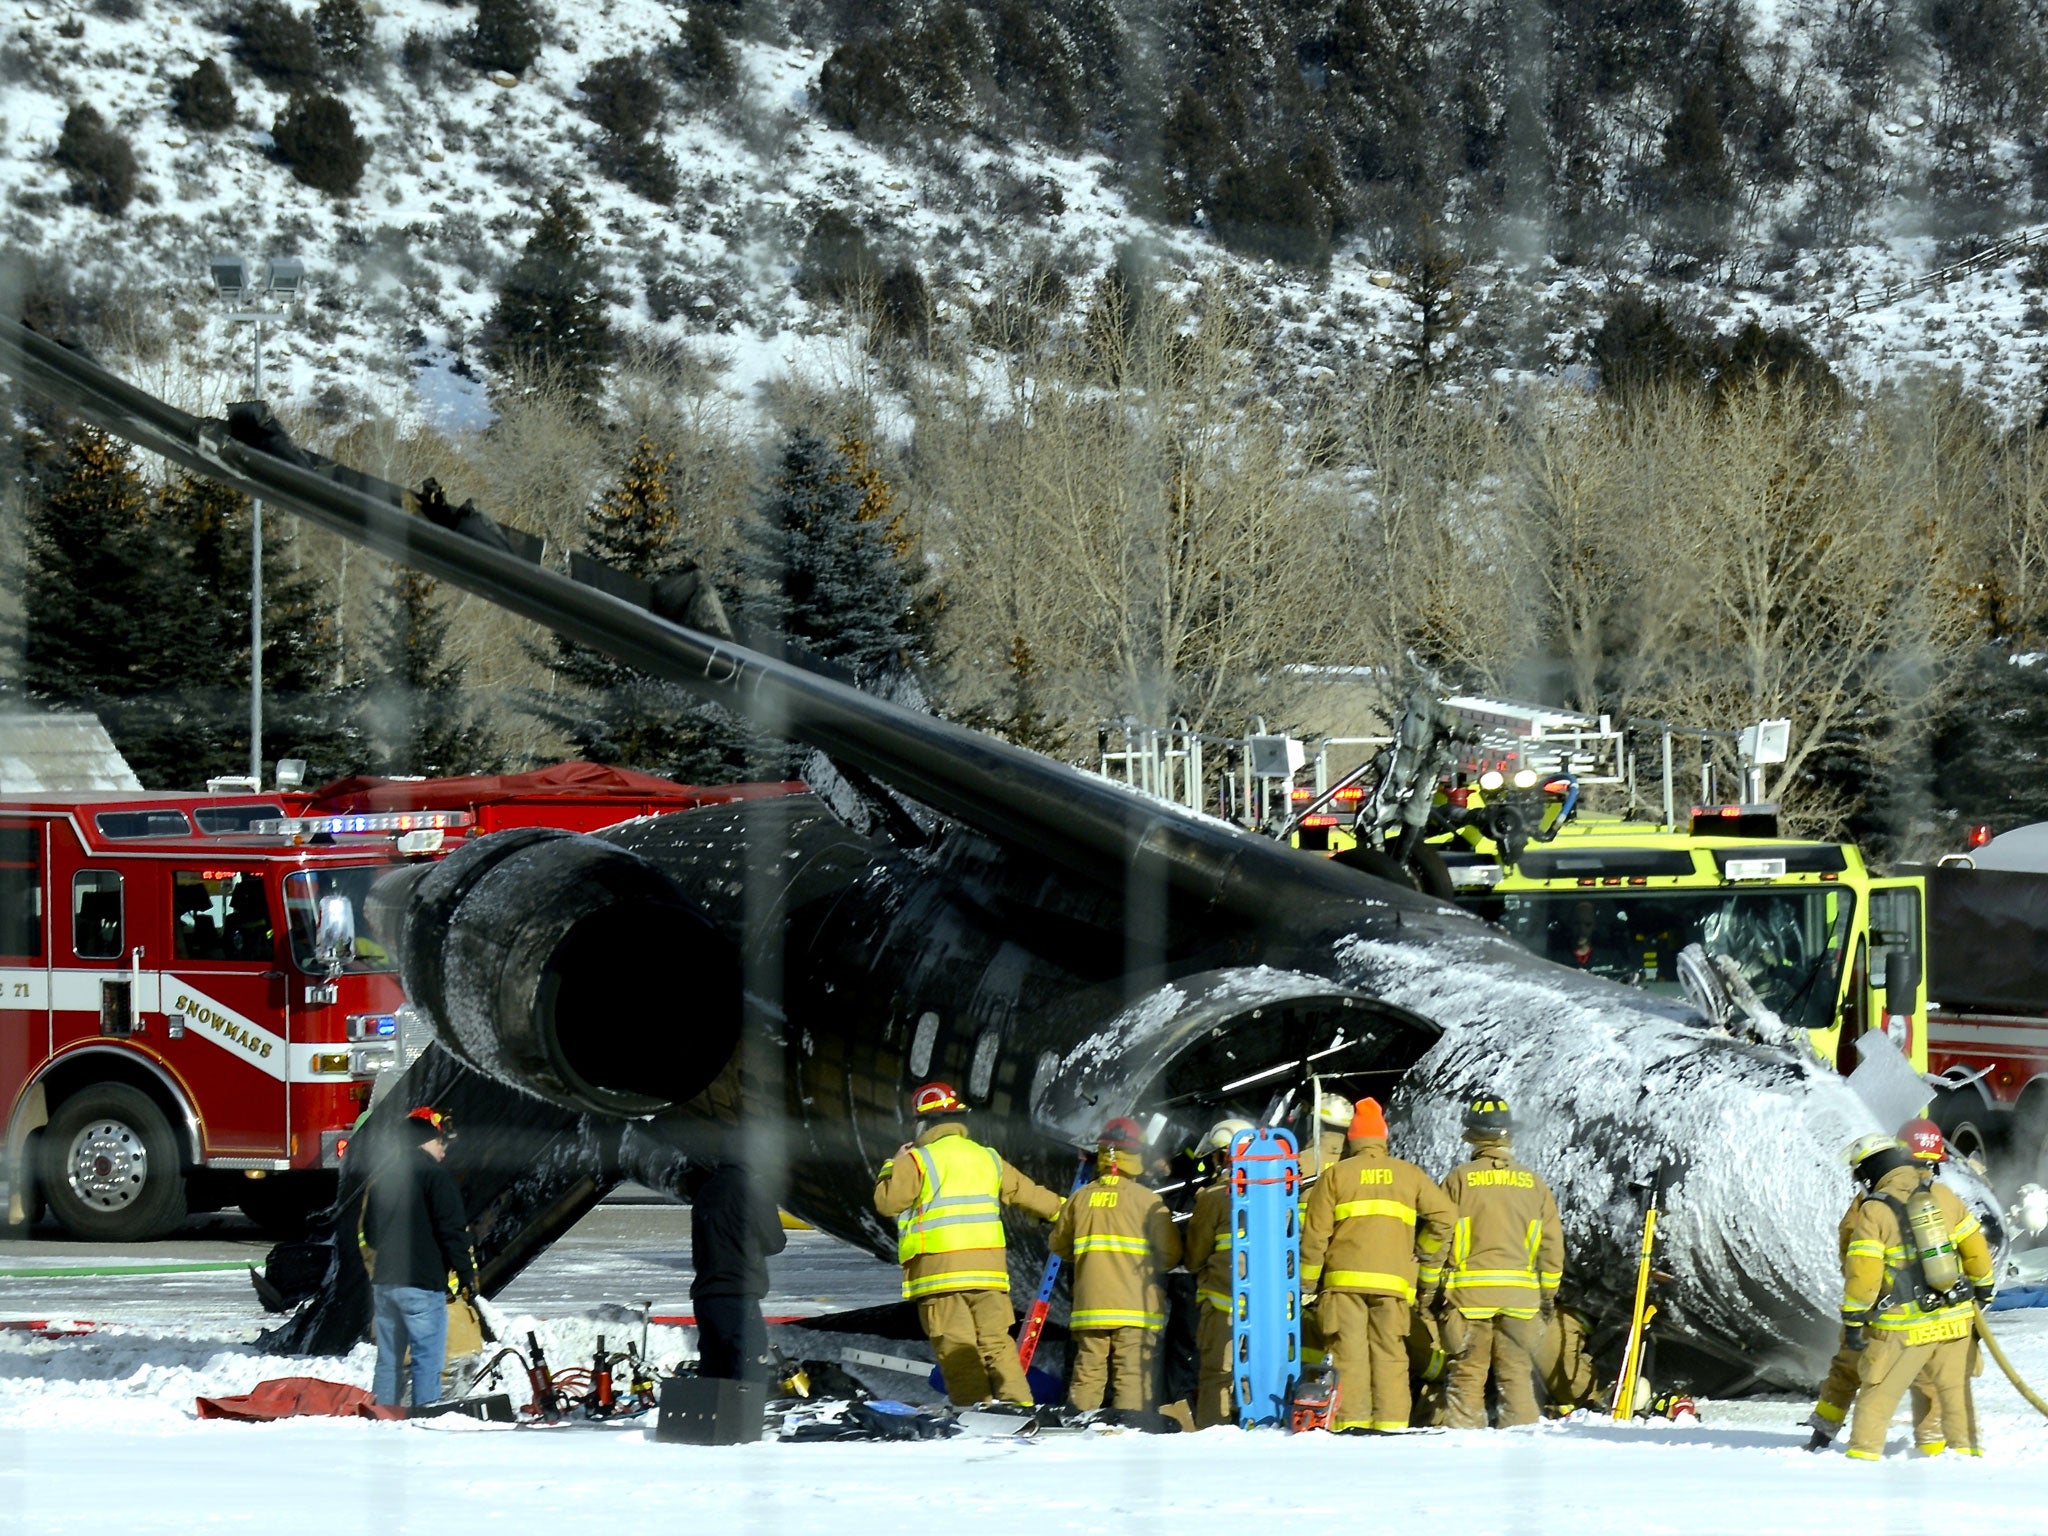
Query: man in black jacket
[(416, 1243), (734, 1226)]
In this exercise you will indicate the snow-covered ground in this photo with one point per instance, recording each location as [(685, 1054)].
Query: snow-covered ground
[(98, 1433)]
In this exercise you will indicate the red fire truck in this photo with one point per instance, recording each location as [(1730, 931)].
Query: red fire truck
[(1987, 980), (191, 1010)]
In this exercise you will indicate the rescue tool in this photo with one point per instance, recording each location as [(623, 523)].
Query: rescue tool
[(1644, 1310), (1034, 1319)]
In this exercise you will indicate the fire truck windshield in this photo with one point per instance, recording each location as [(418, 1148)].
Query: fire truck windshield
[(303, 893), (1788, 942)]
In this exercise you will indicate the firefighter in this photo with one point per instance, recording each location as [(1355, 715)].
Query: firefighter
[(946, 1193), (1333, 1122), (1914, 1269), (1368, 1219), (1120, 1238), (1501, 1275), (1206, 1249), (1564, 1364), (1923, 1140)]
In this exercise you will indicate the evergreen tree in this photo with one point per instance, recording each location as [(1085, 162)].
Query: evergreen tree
[(1990, 748), (307, 706), (98, 160), (614, 713), (317, 138), (821, 559), (204, 99), (347, 40), (101, 627), (1697, 187), (550, 314), (1429, 281), (414, 717), (506, 35)]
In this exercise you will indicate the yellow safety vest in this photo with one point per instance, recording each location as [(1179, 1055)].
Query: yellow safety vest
[(959, 1201)]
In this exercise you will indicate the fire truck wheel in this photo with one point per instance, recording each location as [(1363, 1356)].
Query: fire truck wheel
[(1971, 1128), (111, 1169)]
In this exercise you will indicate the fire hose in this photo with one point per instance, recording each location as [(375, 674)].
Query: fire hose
[(2005, 1365)]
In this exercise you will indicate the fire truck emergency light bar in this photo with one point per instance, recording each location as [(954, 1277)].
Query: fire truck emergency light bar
[(365, 822)]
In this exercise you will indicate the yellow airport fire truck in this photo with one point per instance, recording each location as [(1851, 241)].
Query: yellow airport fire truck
[(1802, 925), (1484, 802)]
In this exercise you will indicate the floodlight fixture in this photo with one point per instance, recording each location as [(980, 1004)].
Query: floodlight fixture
[(286, 272), (230, 276)]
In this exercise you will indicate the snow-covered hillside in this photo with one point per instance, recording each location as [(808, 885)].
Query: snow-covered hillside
[(402, 275)]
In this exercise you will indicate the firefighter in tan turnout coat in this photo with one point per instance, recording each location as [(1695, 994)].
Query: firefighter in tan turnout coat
[(1120, 1238), (1501, 1274), (1207, 1255), (1923, 1139), (1909, 1296), (946, 1193), (1369, 1218)]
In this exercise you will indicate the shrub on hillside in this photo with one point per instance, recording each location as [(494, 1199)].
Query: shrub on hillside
[(836, 263), (506, 35), (278, 43), (701, 59), (860, 91), (643, 165), (100, 163), (203, 99), (621, 96), (903, 307), (317, 138), (1269, 210), (1637, 348), (346, 40)]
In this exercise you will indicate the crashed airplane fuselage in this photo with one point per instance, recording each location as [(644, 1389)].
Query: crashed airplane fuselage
[(1062, 950)]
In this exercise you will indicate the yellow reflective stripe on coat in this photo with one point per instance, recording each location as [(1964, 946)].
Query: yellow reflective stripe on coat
[(1216, 1299), (1470, 1277), (1393, 1208), (956, 1280), (1367, 1280), (1866, 1248), (1111, 1317), (1111, 1242)]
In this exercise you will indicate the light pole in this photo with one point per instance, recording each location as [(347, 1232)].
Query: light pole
[(240, 282)]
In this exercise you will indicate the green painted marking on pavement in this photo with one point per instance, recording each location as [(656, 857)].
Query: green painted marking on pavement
[(73, 1271)]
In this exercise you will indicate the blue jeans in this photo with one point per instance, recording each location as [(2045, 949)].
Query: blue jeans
[(410, 1313)]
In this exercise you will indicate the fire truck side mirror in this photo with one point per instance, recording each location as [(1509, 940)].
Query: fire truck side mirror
[(1901, 982), (334, 940)]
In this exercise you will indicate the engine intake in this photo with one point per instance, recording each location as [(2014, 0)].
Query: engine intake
[(568, 967)]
